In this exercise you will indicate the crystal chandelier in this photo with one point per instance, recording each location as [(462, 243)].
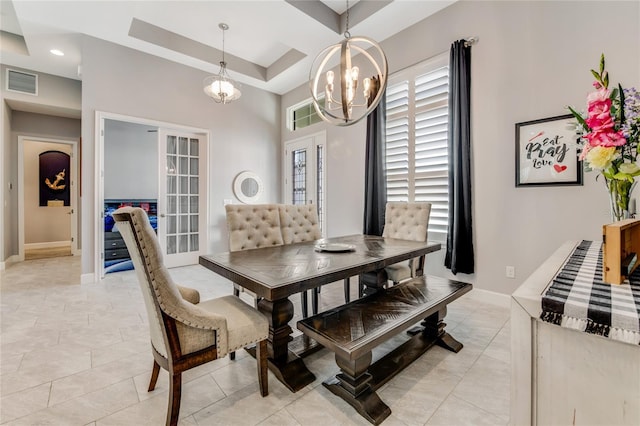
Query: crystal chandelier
[(341, 104), (222, 88)]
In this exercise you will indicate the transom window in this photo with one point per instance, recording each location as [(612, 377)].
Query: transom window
[(302, 115)]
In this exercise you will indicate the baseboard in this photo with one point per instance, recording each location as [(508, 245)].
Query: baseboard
[(488, 296), (1, 266), (13, 259), (77, 252), (50, 244), (88, 278)]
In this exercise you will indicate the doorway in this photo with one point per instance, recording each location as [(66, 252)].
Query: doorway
[(47, 199), (161, 167), (304, 173)]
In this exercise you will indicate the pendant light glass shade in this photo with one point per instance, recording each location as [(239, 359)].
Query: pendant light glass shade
[(220, 87)]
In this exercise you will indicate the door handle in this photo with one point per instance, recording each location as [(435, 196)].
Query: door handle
[(162, 215), (70, 211)]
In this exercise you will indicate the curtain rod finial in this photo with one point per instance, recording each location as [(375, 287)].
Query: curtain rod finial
[(470, 41)]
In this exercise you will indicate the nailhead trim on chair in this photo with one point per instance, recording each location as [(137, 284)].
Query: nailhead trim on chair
[(163, 306)]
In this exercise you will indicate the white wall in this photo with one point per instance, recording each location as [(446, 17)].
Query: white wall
[(245, 134), (42, 224), (130, 156), (533, 59)]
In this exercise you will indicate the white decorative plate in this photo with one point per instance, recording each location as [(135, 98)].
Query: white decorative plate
[(335, 247)]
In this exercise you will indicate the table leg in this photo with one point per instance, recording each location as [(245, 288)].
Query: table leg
[(370, 282), (353, 385), (287, 366)]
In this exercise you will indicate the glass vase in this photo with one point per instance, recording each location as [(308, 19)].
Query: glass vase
[(619, 195)]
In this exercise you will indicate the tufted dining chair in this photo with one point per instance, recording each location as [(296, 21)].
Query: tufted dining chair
[(406, 221), (186, 332), (299, 223), (252, 226)]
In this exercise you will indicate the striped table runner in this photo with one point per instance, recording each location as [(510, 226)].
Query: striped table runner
[(578, 298)]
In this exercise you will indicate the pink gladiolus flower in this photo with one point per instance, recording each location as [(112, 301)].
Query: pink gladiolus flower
[(601, 95), (600, 107), (600, 124), (606, 139)]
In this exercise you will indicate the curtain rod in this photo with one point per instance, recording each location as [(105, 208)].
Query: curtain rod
[(470, 41)]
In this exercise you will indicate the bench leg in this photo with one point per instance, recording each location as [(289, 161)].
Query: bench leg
[(434, 328), (353, 385)]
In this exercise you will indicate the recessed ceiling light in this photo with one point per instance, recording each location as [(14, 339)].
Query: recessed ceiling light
[(57, 52)]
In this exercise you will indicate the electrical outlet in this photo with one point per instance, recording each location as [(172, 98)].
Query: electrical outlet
[(510, 271), (227, 201)]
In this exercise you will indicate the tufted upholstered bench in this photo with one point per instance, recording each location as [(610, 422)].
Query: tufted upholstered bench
[(253, 226)]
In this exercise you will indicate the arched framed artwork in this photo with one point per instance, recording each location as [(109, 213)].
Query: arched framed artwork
[(54, 179)]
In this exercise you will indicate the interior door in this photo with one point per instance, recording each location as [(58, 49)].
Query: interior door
[(304, 170), (182, 197)]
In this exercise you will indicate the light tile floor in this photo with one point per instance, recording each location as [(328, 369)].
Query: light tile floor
[(79, 354)]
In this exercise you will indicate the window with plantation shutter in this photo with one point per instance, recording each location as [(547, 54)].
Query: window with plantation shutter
[(416, 152)]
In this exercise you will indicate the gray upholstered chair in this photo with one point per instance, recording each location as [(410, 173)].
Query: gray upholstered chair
[(299, 223), (185, 332), (406, 221)]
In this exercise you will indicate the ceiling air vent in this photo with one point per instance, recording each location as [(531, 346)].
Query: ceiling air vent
[(22, 82)]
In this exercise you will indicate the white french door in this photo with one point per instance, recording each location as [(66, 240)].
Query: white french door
[(182, 197), (304, 179)]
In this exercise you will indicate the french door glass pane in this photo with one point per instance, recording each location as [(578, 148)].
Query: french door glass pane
[(184, 204), (183, 147), (171, 145), (193, 242), (184, 185), (183, 167), (172, 185), (193, 170), (182, 194), (194, 204), (184, 224), (172, 205), (171, 244), (194, 147), (171, 224), (183, 244)]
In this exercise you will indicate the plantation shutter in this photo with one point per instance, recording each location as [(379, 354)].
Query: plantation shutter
[(417, 122), (397, 149), (431, 165)]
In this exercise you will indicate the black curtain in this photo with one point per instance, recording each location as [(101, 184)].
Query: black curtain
[(375, 183), (459, 256)]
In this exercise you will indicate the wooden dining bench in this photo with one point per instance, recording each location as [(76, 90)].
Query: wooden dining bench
[(353, 330)]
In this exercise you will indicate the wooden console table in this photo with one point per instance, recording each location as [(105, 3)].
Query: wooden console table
[(565, 376)]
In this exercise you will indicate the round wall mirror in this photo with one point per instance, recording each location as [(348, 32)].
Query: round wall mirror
[(248, 187)]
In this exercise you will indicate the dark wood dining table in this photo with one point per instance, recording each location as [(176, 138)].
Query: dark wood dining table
[(275, 273)]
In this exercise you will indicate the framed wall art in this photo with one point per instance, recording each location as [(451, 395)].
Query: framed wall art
[(54, 179), (547, 152)]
